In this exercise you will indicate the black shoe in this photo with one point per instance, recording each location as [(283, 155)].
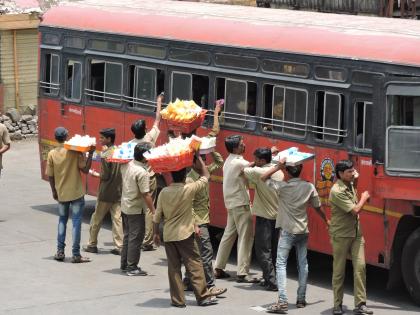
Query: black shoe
[(179, 305), (338, 310), (136, 272), (147, 248), (208, 301), (362, 309), (271, 287), (90, 249), (60, 256), (246, 279), (300, 304), (116, 251)]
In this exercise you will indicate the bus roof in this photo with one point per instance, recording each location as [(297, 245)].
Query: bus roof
[(310, 33)]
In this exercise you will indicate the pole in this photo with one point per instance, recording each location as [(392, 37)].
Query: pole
[(15, 61)]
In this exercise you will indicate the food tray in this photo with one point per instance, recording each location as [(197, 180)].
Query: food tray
[(122, 161), (186, 127), (171, 163), (76, 148), (207, 151)]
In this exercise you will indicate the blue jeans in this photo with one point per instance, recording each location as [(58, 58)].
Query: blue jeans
[(286, 242), (76, 216)]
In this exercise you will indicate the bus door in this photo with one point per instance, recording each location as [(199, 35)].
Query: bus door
[(104, 110), (330, 132), (361, 135)]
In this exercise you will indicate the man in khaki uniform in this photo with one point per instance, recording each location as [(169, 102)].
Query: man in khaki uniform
[(141, 135), (4, 143), (175, 207), (347, 238), (63, 171), (109, 196), (265, 208), (239, 218), (201, 211), (135, 200)]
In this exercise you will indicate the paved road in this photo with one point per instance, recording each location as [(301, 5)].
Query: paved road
[(31, 282)]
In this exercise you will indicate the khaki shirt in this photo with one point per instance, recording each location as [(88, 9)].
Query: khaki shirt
[(174, 205), (294, 196), (4, 140), (150, 137), (135, 182), (235, 192), (266, 200), (201, 201), (343, 222), (110, 184), (64, 165)]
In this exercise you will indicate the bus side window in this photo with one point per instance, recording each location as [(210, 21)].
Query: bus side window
[(240, 102), (51, 75), (181, 86), (105, 82), (405, 111), (200, 90), (363, 117), (285, 110), (329, 116), (144, 85), (74, 80)]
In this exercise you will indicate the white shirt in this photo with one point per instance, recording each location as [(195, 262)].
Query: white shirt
[(235, 192)]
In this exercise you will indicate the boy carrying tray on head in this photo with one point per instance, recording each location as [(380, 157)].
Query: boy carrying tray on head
[(294, 195)]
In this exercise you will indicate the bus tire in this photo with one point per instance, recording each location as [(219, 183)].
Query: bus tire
[(410, 265)]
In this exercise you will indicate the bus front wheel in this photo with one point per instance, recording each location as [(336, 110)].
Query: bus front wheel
[(410, 264)]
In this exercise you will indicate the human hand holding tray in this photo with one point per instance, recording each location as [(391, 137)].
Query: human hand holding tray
[(293, 156)]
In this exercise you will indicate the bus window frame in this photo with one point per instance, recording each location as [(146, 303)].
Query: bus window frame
[(75, 60), (90, 93), (355, 118), (43, 85), (128, 99), (341, 133), (172, 82), (284, 110), (223, 117), (345, 71)]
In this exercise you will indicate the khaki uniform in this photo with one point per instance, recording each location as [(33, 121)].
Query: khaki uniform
[(64, 165), (135, 183), (4, 140), (239, 218), (346, 238), (174, 205), (150, 137), (265, 208), (109, 200)]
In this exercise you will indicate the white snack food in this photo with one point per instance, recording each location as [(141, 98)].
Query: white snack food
[(207, 143), (82, 141), (175, 146)]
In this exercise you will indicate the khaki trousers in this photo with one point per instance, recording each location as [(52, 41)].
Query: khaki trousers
[(355, 246), (102, 208), (185, 252), (239, 224), (148, 233)]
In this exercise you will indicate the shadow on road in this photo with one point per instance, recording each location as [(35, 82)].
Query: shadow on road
[(320, 271)]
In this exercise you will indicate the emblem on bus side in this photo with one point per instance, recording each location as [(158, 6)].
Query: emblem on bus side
[(324, 184)]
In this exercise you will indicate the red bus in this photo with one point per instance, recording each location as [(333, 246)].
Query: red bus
[(334, 85)]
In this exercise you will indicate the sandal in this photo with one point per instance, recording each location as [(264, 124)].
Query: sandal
[(221, 274), (217, 291), (80, 260), (278, 308), (59, 256)]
